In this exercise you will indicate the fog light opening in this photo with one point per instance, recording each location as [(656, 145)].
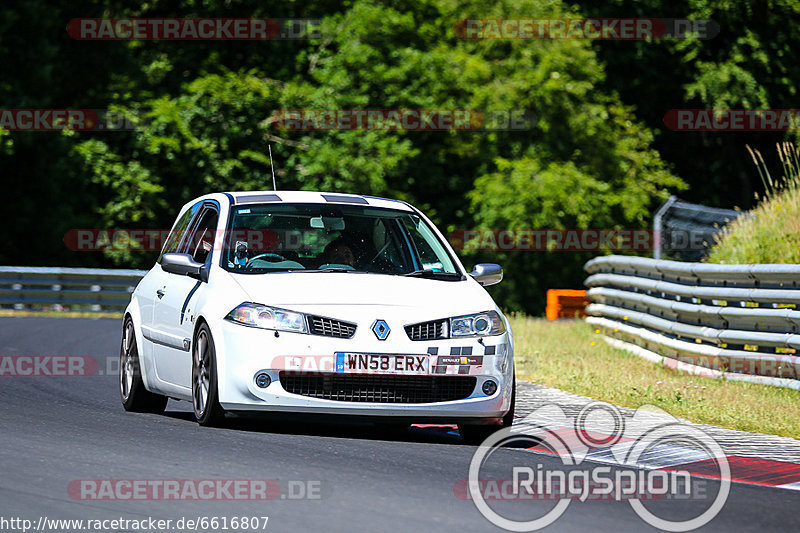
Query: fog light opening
[(263, 380), (489, 387)]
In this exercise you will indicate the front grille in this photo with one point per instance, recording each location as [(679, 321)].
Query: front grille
[(379, 388), (329, 327), (427, 331)]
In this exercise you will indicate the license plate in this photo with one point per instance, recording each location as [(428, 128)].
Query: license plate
[(376, 363)]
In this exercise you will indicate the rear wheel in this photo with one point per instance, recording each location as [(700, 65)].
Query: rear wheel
[(205, 398), (135, 397), (476, 433)]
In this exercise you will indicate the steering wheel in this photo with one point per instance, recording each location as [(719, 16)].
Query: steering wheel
[(272, 257)]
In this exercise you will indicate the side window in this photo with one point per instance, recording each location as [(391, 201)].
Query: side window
[(432, 258), (178, 231), (201, 242), (426, 254)]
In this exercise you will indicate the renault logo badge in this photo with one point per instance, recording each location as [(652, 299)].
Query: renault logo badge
[(381, 329)]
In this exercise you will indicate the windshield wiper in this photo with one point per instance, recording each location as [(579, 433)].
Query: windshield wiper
[(432, 274), (330, 269)]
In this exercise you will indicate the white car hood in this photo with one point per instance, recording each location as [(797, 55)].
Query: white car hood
[(306, 291)]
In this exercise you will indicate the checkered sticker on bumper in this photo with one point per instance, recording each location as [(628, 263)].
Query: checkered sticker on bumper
[(461, 360)]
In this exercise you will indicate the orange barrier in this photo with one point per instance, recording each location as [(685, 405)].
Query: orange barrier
[(566, 303)]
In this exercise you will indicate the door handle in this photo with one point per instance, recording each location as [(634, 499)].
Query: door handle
[(160, 293)]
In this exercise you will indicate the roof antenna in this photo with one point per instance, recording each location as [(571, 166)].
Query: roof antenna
[(272, 166)]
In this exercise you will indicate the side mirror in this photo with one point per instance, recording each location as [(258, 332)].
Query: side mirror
[(184, 265), (487, 274)]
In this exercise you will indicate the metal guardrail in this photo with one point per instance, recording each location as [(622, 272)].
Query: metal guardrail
[(687, 231), (739, 321), (72, 289)]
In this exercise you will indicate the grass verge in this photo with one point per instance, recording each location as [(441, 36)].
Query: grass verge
[(772, 233), (571, 356)]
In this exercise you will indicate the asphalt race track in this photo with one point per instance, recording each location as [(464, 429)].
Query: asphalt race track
[(56, 431)]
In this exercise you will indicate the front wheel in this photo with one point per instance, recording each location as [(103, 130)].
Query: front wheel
[(475, 433), (135, 397), (205, 397)]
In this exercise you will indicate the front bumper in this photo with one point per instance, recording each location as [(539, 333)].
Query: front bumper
[(243, 353)]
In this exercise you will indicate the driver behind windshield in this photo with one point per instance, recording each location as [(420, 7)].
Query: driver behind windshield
[(346, 249), (273, 238), (339, 252)]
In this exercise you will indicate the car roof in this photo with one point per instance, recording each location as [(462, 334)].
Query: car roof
[(305, 197)]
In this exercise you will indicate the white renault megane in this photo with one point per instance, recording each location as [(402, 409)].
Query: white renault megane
[(319, 303)]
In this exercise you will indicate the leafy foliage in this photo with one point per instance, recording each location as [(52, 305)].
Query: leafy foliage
[(594, 156)]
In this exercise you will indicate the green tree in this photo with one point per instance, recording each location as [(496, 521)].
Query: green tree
[(206, 111)]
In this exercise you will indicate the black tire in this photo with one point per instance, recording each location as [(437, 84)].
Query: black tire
[(391, 429), (205, 395), (135, 397), (509, 418), (477, 433)]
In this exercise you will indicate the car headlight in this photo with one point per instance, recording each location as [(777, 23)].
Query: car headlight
[(263, 316), (477, 325)]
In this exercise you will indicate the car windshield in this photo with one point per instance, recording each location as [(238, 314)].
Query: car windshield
[(269, 237)]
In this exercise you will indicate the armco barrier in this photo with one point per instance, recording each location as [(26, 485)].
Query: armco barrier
[(89, 289), (738, 321)]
